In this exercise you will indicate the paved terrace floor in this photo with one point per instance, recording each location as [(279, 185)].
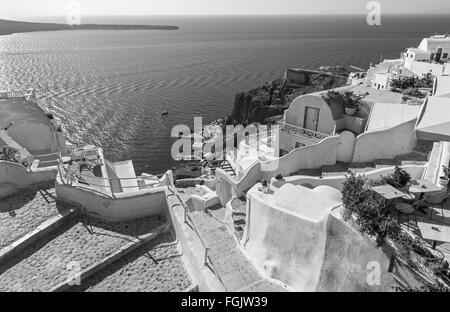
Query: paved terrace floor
[(155, 266), (434, 214), (25, 211)]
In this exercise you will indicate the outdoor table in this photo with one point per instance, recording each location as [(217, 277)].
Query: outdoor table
[(435, 232), (422, 187), (389, 193)]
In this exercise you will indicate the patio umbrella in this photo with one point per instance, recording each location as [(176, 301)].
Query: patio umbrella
[(433, 122)]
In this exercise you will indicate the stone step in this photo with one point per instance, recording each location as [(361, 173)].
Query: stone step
[(239, 234), (239, 206), (236, 271), (203, 221), (239, 219)]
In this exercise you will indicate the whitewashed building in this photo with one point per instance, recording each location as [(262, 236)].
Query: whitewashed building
[(431, 56)]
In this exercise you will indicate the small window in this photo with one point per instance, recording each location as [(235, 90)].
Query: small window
[(432, 56), (445, 55), (298, 144)]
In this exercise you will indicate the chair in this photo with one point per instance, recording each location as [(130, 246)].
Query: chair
[(404, 209), (436, 200)]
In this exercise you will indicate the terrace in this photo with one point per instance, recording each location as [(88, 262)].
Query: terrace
[(409, 216)]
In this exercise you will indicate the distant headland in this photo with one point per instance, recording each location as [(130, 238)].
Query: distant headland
[(8, 27)]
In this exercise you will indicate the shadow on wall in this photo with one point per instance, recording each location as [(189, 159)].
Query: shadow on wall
[(327, 255)]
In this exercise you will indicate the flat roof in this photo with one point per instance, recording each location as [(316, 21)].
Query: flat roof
[(433, 122), (372, 95), (385, 115), (442, 85), (17, 110), (312, 204)]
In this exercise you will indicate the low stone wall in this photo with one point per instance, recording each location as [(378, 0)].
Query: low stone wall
[(124, 206), (14, 177), (416, 172), (307, 157)]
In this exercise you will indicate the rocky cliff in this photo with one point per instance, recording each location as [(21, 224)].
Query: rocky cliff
[(266, 104)]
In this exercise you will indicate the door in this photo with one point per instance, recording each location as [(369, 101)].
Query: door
[(311, 118), (438, 55)]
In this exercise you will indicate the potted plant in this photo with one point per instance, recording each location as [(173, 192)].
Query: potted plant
[(443, 180), (350, 110)]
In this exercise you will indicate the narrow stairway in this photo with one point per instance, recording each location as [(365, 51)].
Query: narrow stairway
[(239, 216), (235, 271)]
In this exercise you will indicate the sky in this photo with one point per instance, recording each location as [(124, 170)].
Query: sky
[(23, 9)]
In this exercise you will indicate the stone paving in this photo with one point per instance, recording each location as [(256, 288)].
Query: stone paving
[(25, 211), (80, 243), (156, 266)]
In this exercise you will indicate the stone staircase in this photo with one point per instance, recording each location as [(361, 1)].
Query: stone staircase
[(239, 216), (226, 166), (235, 271)]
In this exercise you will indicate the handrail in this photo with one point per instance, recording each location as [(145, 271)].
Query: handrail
[(207, 259), (302, 131), (76, 176)]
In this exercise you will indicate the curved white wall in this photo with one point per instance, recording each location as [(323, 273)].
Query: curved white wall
[(386, 143), (327, 255), (125, 206), (14, 177)]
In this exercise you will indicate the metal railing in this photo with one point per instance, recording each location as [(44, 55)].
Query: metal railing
[(188, 220), (302, 132), (68, 177)]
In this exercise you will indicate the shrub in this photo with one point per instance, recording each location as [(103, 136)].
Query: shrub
[(401, 176), (413, 92), (353, 191), (373, 221)]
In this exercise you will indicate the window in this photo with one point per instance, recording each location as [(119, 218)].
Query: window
[(445, 55), (298, 144), (432, 56)]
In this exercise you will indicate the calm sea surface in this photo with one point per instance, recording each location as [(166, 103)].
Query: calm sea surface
[(110, 87)]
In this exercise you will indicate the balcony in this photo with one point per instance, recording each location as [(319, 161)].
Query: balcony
[(302, 132)]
